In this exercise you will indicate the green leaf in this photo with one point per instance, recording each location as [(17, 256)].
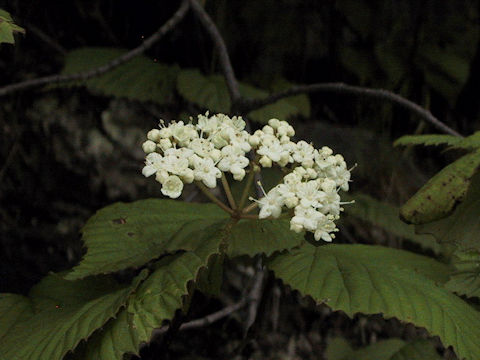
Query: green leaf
[(427, 140), (66, 313), (382, 350), (8, 27), (466, 279), (462, 228), (210, 278), (140, 79), (438, 197), (13, 309), (126, 235), (390, 349), (338, 349), (417, 350), (375, 280), (386, 216), (155, 300), (251, 237), (211, 93), (471, 142), (116, 338)]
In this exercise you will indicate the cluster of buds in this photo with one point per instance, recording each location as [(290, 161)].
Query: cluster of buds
[(180, 153)]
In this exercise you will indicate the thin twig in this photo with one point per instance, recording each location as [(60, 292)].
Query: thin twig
[(344, 89), (54, 79), (224, 58), (255, 294), (212, 197), (46, 38)]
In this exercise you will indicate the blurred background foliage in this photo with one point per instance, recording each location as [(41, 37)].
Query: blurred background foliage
[(68, 150)]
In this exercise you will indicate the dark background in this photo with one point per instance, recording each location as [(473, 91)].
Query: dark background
[(64, 153)]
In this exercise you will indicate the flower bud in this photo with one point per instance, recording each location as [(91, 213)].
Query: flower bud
[(149, 147)]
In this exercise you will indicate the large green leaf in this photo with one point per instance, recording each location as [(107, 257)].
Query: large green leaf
[(139, 79), (155, 301), (211, 93), (391, 349), (438, 197), (13, 309), (427, 140), (462, 228), (126, 235), (8, 28), (386, 216), (251, 237), (382, 350), (394, 283), (466, 280), (417, 350), (66, 313)]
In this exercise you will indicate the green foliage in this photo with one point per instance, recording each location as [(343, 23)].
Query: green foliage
[(211, 93), (139, 79), (386, 216), (8, 28), (427, 140), (128, 235), (438, 197), (64, 313), (391, 349), (471, 142), (462, 227), (466, 279), (262, 237), (395, 283)]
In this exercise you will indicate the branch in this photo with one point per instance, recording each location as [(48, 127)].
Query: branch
[(205, 321), (344, 89), (225, 63), (148, 43)]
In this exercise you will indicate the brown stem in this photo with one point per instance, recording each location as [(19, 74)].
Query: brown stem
[(344, 89), (225, 63), (54, 79), (228, 192), (212, 197)]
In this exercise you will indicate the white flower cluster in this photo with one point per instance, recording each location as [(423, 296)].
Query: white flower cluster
[(311, 189), (180, 153)]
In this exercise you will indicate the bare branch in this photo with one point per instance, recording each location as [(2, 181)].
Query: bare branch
[(54, 79), (344, 89), (225, 63), (205, 321), (255, 294)]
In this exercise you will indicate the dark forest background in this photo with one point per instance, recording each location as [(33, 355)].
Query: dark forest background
[(66, 151)]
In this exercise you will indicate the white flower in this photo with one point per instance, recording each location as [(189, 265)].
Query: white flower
[(309, 194), (153, 163), (172, 187), (205, 171), (232, 157), (325, 227), (149, 146), (306, 217), (304, 153), (164, 144), (274, 150), (154, 135)]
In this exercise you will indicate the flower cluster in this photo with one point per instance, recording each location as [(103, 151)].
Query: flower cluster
[(181, 153)]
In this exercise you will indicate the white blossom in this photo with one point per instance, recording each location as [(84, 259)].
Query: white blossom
[(172, 187)]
